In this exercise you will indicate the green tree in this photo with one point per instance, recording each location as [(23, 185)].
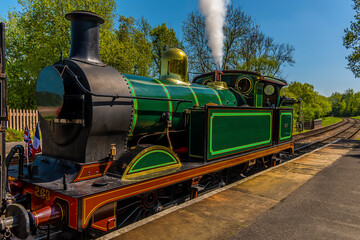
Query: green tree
[(162, 38), (245, 46), (133, 54), (38, 33), (351, 40), (314, 105), (335, 100), (345, 104)]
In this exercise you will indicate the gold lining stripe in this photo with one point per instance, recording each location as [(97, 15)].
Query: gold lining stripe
[(76, 209), (62, 212), (80, 178)]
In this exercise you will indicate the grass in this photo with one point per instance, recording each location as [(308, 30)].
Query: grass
[(326, 121), (13, 135), (295, 131)]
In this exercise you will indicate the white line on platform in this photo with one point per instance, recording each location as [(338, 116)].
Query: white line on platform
[(196, 200)]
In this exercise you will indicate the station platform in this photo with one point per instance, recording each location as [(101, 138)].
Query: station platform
[(315, 196)]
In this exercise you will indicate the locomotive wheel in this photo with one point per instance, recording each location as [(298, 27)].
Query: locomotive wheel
[(275, 160), (213, 180), (242, 168), (138, 208), (150, 200)]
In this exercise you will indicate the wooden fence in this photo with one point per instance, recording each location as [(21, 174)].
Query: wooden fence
[(19, 118)]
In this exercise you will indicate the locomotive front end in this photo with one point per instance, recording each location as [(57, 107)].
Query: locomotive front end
[(80, 129), (77, 123)]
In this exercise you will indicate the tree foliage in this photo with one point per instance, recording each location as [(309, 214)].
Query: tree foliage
[(260, 53), (130, 51), (351, 40), (314, 105), (245, 46), (345, 104), (162, 38)]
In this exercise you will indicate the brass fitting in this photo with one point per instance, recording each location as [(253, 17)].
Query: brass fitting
[(113, 152)]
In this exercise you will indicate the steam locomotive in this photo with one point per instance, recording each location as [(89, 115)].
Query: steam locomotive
[(119, 147)]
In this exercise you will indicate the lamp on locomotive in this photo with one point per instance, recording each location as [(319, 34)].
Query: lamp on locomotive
[(174, 66)]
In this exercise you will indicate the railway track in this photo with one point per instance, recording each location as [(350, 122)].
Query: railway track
[(345, 129), (312, 133)]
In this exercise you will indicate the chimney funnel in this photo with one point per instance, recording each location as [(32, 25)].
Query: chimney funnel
[(85, 36)]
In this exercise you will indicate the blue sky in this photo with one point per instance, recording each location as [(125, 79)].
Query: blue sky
[(314, 27)]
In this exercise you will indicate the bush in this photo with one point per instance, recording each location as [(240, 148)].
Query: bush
[(13, 135)]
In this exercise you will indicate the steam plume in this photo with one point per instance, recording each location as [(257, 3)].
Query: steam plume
[(214, 12)]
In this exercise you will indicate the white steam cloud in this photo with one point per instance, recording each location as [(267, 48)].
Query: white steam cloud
[(214, 12)]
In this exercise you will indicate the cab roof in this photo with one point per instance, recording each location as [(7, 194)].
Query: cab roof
[(262, 78)]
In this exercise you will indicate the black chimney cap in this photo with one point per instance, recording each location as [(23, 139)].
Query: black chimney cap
[(84, 15)]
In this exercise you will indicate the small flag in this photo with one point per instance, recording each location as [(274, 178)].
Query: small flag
[(27, 137), (30, 151), (36, 143)]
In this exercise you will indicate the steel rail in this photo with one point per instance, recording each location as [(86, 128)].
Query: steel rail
[(332, 136), (315, 132)]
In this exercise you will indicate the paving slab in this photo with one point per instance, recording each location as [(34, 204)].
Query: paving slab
[(274, 184), (254, 208)]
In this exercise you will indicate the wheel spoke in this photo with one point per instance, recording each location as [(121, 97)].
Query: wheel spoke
[(131, 214)]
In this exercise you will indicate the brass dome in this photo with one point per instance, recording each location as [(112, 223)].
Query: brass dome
[(174, 66)]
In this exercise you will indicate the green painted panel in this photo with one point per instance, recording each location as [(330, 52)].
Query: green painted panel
[(149, 111), (238, 130), (228, 98), (181, 92), (170, 103), (153, 159), (205, 94), (259, 94), (285, 126), (197, 133)]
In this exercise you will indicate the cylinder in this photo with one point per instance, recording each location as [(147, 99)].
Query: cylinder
[(48, 215)]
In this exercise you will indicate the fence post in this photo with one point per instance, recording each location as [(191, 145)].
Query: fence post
[(17, 119), (27, 118), (10, 118), (36, 116), (31, 119), (22, 113)]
